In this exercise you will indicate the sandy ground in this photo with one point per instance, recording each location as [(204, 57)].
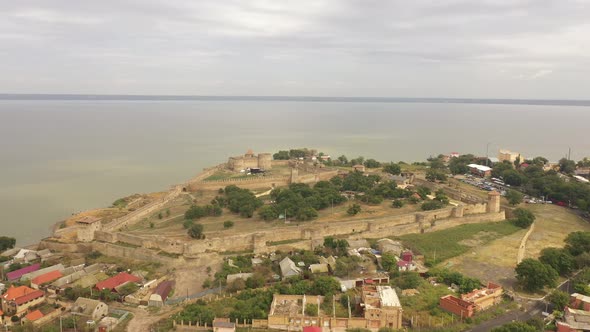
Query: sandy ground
[(496, 260)]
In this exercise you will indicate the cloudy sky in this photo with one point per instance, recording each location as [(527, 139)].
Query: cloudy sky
[(437, 48)]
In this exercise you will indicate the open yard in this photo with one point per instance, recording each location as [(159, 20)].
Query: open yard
[(496, 260), (444, 244)]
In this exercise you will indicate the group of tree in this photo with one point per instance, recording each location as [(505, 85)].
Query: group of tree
[(7, 243), (531, 325), (535, 274), (335, 246), (291, 154), (198, 212), (465, 284), (239, 200), (302, 202), (440, 200)]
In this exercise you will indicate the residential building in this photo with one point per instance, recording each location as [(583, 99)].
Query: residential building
[(574, 320), (289, 268), (17, 300), (457, 306), (480, 170), (506, 155), (223, 325), (160, 294), (89, 308), (34, 315), (485, 297), (358, 168), (45, 278), (382, 304), (475, 301), (580, 301), (17, 274), (114, 282), (319, 268)]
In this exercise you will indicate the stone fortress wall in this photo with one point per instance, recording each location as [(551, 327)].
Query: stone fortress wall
[(110, 239)]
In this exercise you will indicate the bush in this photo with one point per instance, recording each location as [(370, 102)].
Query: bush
[(354, 209), (228, 224), (432, 205), (196, 231), (398, 203), (523, 218)]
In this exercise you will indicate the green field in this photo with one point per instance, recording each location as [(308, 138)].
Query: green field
[(444, 244)]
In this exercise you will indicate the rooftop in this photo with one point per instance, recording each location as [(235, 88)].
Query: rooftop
[(116, 281), (480, 167), (34, 315), (388, 297), (47, 277), (19, 273)]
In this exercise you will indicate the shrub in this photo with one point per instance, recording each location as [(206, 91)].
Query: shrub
[(432, 205), (228, 224), (354, 209), (398, 203)]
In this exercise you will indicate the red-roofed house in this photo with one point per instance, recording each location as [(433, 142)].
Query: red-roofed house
[(15, 275), (45, 278), (34, 315), (158, 298), (116, 281), (17, 300)]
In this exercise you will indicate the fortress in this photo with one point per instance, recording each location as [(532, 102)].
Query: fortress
[(113, 239), (249, 160)]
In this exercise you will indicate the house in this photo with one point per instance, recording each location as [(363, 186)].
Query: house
[(288, 268), (574, 320), (381, 303), (223, 325), (17, 300), (480, 170), (45, 278), (319, 268), (485, 297), (580, 301), (34, 274), (90, 309), (160, 294), (470, 303), (457, 306), (114, 282), (330, 261), (358, 168), (34, 315), (505, 155), (17, 274)]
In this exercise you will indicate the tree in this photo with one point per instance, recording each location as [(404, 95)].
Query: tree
[(534, 275), (436, 175), (515, 327), (398, 203), (523, 218), (468, 285), (343, 160), (311, 309), (559, 259), (236, 285), (281, 155), (393, 169), (268, 212), (372, 163), (195, 212), (432, 205), (196, 231), (578, 242), (514, 197), (513, 177), (559, 299), (389, 262), (324, 285), (354, 209), (567, 166), (7, 243)]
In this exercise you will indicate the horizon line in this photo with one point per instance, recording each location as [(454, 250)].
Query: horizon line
[(148, 97)]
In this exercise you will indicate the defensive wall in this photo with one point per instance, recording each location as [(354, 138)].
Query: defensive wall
[(301, 236), (145, 211)]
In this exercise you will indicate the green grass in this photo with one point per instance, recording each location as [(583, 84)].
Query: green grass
[(276, 243), (445, 243)]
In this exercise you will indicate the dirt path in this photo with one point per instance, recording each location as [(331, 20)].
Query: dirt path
[(143, 319), (522, 247)]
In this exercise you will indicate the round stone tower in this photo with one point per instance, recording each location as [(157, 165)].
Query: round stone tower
[(265, 160), (493, 202)]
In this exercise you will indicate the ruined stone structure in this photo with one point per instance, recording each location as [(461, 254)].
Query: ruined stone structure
[(250, 160), (493, 202), (87, 226)]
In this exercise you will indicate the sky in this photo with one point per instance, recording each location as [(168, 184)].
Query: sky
[(458, 48)]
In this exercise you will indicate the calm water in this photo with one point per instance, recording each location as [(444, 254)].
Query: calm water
[(58, 157)]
